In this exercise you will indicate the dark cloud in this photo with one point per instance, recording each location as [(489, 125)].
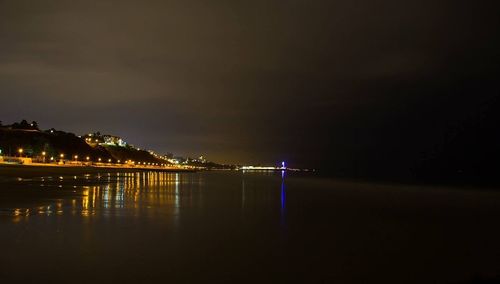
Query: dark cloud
[(347, 83)]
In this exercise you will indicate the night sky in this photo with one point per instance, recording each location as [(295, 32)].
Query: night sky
[(351, 86)]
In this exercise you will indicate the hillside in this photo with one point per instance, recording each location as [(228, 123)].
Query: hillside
[(53, 143), (129, 153)]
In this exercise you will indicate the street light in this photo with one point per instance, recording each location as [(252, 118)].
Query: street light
[(76, 157), (20, 150), (88, 158), (99, 159), (43, 155)]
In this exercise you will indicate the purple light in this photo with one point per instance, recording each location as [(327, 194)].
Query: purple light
[(283, 164)]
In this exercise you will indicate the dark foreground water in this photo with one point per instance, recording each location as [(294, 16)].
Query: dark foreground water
[(227, 227)]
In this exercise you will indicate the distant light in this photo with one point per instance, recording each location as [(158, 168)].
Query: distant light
[(88, 158), (21, 150), (76, 157), (109, 160), (43, 153), (99, 159), (62, 155), (283, 164)]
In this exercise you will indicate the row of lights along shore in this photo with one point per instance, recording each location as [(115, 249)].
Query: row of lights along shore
[(87, 158)]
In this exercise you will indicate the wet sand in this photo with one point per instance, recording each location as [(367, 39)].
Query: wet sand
[(20, 185), (233, 227)]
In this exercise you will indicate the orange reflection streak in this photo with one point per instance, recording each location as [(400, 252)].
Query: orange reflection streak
[(125, 193), (85, 202)]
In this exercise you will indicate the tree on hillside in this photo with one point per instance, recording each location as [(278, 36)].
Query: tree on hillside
[(24, 124)]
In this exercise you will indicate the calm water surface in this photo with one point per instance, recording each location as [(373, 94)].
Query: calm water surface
[(227, 227)]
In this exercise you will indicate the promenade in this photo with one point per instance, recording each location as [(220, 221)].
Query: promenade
[(44, 169)]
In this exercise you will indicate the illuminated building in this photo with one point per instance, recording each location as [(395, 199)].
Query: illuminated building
[(94, 139)]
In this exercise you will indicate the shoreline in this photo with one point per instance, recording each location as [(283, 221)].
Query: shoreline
[(34, 170)]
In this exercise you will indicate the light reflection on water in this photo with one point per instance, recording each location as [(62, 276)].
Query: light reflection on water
[(242, 226), (283, 198), (111, 194), (107, 223)]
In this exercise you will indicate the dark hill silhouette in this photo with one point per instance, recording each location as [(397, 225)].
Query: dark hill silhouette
[(53, 143), (129, 153)]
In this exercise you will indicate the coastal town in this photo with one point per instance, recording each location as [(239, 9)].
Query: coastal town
[(25, 143)]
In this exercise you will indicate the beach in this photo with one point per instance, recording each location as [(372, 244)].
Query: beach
[(39, 170), (235, 227)]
